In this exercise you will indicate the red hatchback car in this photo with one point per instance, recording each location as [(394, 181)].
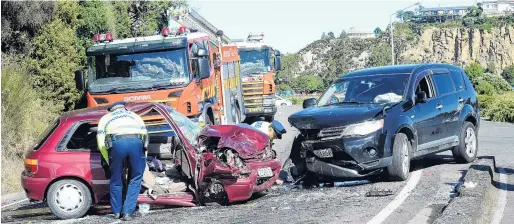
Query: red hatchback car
[(223, 163)]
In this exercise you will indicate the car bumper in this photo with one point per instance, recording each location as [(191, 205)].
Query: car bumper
[(351, 156), (34, 187), (242, 188), (264, 111)]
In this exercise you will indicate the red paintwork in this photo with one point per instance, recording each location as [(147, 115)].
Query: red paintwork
[(86, 166)]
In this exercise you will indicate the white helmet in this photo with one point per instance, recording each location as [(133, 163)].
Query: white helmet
[(262, 126)]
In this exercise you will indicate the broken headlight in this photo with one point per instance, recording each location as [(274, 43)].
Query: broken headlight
[(363, 128)]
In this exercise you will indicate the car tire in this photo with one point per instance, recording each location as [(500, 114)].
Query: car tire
[(283, 104), (399, 168), (467, 149), (69, 199)]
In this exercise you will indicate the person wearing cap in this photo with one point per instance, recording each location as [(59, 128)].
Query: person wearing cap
[(122, 136), (273, 130)]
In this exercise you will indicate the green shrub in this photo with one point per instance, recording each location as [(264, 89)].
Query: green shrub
[(296, 100), (24, 117), (500, 108), (484, 87), (499, 84)]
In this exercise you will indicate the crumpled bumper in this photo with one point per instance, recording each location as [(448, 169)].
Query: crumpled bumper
[(327, 169)]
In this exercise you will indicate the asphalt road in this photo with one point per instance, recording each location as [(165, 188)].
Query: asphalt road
[(420, 199)]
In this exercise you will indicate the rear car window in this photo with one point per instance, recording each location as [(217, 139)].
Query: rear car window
[(444, 84), (44, 136), (458, 79)]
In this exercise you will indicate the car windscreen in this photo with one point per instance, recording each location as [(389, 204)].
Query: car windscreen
[(254, 61), (371, 89)]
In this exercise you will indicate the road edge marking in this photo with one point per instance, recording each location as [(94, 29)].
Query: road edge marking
[(398, 200), (502, 199), (13, 203)]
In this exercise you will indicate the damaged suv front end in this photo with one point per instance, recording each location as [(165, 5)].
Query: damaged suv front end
[(344, 134)]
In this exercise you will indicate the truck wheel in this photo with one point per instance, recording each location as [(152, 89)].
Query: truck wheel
[(69, 199), (269, 118), (399, 168), (467, 149)]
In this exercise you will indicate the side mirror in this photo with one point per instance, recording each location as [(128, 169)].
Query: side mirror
[(277, 53), (202, 52), (79, 80), (310, 102), (204, 69), (421, 97), (277, 63)]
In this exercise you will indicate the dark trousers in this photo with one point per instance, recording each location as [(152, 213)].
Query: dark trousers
[(131, 150)]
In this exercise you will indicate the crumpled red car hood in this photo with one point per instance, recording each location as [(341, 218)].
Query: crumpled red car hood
[(243, 138)]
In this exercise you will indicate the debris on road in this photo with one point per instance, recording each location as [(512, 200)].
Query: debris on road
[(350, 183), (379, 193)]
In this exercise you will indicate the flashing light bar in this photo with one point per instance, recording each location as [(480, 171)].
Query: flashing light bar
[(102, 37), (255, 37)]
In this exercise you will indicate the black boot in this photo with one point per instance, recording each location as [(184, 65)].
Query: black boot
[(113, 216)]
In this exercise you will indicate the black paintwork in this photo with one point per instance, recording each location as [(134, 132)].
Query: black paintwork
[(422, 122)]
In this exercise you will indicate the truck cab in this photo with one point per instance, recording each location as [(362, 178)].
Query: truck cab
[(259, 63), (179, 69)]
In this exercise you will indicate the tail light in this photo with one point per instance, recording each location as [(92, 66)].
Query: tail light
[(30, 165)]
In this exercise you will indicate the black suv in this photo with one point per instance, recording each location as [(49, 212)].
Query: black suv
[(380, 118)]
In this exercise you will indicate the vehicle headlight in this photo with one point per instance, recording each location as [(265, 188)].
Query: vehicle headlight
[(363, 128), (268, 101)]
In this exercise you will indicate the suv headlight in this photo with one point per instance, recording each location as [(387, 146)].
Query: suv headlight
[(363, 128)]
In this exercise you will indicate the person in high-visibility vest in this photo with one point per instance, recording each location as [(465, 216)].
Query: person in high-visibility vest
[(122, 135)]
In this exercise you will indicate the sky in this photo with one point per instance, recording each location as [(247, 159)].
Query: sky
[(290, 25)]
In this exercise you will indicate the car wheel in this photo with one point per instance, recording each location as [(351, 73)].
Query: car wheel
[(69, 199), (283, 104), (467, 149), (399, 168)]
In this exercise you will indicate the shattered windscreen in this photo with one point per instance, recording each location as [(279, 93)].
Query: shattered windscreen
[(139, 71), (188, 128), (386, 88)]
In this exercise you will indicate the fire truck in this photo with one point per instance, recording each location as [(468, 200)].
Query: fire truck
[(259, 63), (190, 66)]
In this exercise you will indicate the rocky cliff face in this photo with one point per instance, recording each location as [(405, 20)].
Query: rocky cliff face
[(462, 46)]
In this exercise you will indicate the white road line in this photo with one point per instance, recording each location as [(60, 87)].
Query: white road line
[(16, 202), (502, 198), (398, 200)]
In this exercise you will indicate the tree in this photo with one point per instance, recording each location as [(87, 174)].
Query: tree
[(380, 56), (323, 35), (508, 74), (377, 31), (55, 57), (21, 21), (400, 14), (474, 71), (309, 83), (408, 16), (330, 35), (343, 35)]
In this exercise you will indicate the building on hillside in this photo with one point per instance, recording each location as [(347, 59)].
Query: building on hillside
[(440, 14), (360, 34), (497, 7)]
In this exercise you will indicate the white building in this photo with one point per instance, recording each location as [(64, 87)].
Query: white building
[(354, 33), (497, 6)]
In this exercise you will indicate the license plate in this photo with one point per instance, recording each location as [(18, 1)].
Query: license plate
[(254, 109), (324, 153), (265, 172), (268, 110)]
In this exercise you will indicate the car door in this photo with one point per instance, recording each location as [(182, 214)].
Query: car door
[(424, 115), (448, 103)]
